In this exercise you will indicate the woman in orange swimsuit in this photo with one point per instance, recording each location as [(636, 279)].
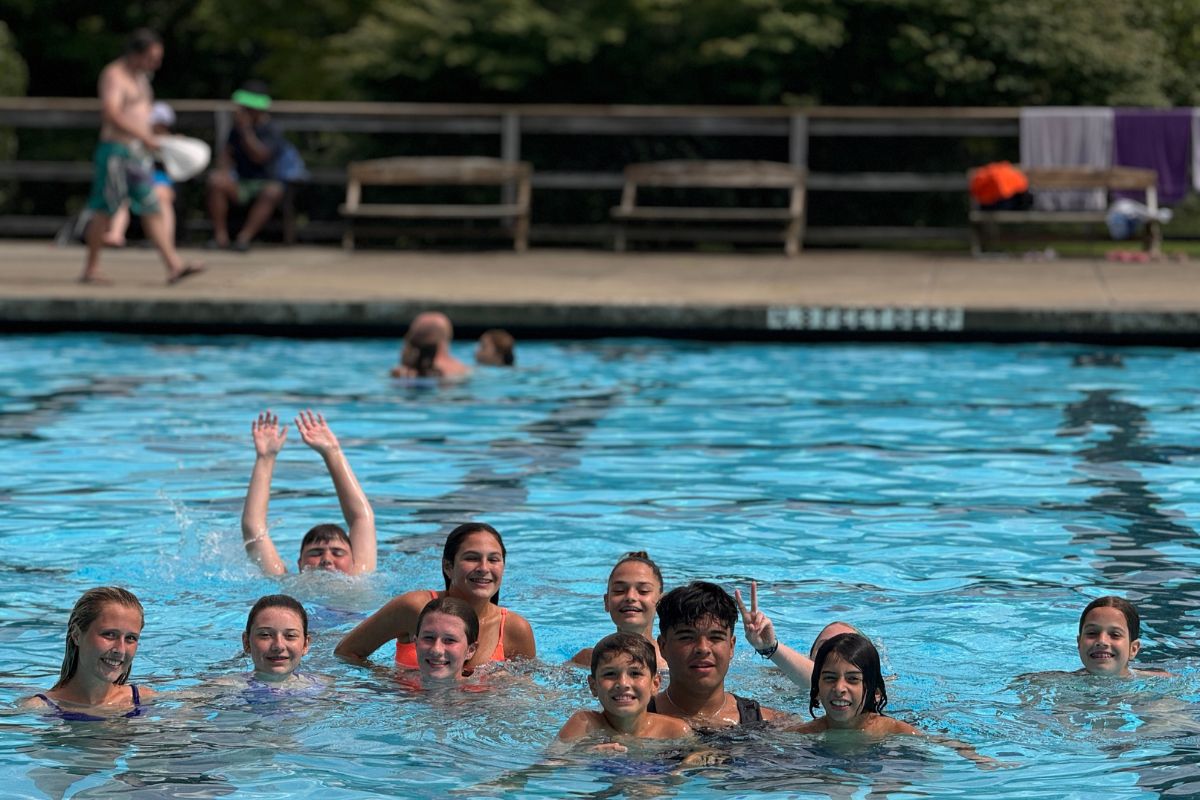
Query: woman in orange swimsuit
[(473, 567)]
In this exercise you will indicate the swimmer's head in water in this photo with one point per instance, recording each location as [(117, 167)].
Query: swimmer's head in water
[(697, 601), (276, 636), (475, 553), (828, 632), (638, 648), (278, 601), (624, 676), (1110, 630), (696, 634), (496, 348), (420, 357), (447, 637), (88, 608), (849, 649), (634, 588), (326, 547)]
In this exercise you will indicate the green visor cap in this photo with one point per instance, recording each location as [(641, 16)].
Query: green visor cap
[(255, 100)]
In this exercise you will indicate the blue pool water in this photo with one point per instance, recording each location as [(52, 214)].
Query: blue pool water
[(961, 504)]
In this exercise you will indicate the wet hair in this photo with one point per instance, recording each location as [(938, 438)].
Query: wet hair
[(87, 608), (454, 543), (277, 601), (419, 356), (854, 649), (326, 532), (1133, 620), (453, 607), (641, 557), (503, 343), (687, 605), (141, 40), (636, 647), (812, 651)]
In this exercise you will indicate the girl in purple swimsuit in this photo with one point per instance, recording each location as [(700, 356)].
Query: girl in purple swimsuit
[(102, 638)]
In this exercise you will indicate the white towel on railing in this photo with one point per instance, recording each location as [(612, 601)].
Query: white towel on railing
[(1067, 136)]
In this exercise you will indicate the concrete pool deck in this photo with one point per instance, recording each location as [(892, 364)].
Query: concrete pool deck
[(322, 291)]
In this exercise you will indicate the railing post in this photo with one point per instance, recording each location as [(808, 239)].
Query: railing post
[(510, 150), (222, 125), (798, 141)]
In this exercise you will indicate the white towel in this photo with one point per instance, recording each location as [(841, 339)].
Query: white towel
[(1067, 136)]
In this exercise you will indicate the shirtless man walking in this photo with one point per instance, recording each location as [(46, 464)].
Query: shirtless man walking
[(124, 166)]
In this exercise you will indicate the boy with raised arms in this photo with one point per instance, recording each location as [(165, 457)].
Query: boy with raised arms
[(324, 547)]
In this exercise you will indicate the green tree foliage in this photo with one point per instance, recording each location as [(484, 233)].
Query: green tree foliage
[(1016, 52), (13, 72), (666, 51), (834, 52), (13, 77)]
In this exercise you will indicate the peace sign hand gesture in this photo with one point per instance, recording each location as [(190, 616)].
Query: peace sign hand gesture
[(760, 631)]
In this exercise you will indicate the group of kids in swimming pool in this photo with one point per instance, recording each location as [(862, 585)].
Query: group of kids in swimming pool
[(444, 637)]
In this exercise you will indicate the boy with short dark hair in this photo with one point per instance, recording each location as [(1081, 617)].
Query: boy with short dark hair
[(624, 679), (695, 624)]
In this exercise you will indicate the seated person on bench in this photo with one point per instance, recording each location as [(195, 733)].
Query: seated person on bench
[(245, 170)]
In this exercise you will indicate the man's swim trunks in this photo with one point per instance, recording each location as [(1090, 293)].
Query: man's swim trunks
[(123, 173)]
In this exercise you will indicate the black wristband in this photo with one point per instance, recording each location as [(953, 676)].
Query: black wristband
[(767, 652)]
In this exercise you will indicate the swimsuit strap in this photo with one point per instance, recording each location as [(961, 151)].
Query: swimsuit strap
[(137, 697), (748, 710), (48, 701)]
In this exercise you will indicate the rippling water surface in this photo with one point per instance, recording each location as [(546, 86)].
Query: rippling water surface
[(961, 504)]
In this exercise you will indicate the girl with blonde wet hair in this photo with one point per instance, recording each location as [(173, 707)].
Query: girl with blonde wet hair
[(103, 633)]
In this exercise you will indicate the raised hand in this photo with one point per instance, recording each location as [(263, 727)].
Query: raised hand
[(268, 435), (315, 433), (760, 631)]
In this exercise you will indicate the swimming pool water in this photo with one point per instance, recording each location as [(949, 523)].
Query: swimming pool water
[(959, 503)]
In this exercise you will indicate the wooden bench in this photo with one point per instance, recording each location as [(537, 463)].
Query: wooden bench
[(1042, 179), (713, 175), (440, 171)]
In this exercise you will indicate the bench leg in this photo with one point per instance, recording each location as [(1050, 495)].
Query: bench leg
[(1153, 239), (791, 239), (619, 238), (521, 234), (348, 237), (288, 212)]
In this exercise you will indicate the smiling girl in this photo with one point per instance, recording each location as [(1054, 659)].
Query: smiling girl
[(473, 562), (447, 638), (103, 633), (630, 598), (847, 683), (1110, 631), (276, 639)]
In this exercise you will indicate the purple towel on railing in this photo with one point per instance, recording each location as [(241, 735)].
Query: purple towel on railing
[(1067, 136), (1195, 147), (1157, 139)]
